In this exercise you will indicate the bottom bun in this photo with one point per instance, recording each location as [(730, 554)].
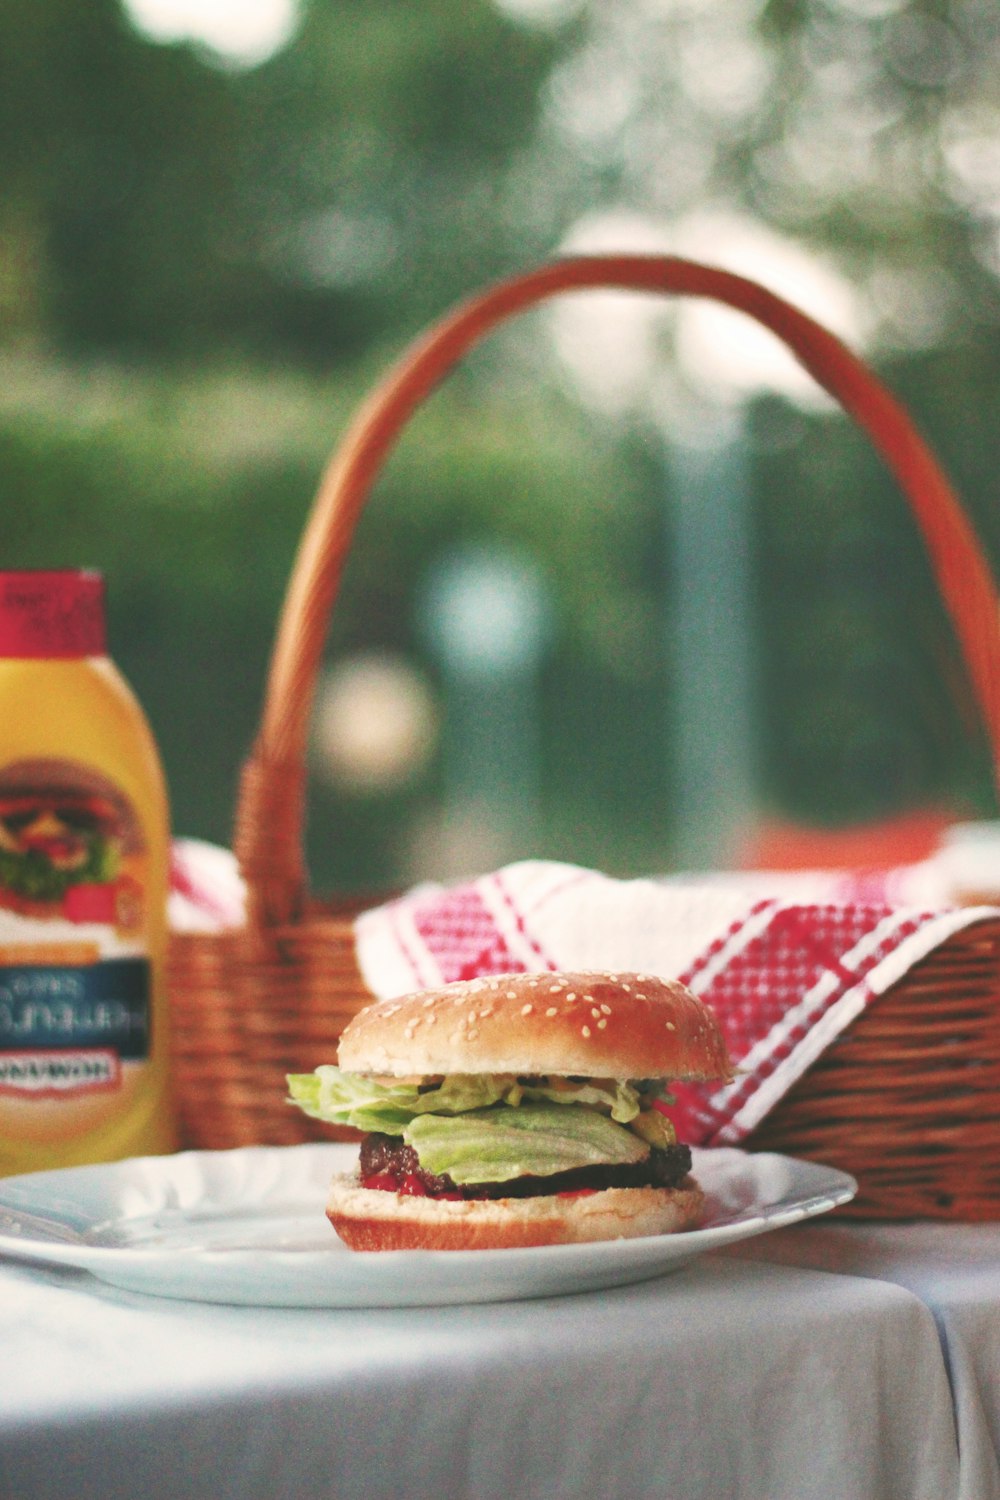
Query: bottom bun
[(372, 1219)]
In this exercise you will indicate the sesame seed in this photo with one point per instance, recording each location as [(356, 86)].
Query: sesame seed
[(671, 1026), (602, 1023), (552, 1011), (431, 1020), (428, 1002), (571, 995), (527, 1009), (512, 994), (556, 989), (606, 1009), (595, 1012), (584, 1030), (627, 988), (487, 1010), (472, 1032)]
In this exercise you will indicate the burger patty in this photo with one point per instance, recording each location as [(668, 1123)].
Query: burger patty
[(387, 1162)]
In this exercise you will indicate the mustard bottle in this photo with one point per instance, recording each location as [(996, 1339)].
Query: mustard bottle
[(84, 857)]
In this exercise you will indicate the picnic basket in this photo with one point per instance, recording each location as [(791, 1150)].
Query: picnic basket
[(908, 1099)]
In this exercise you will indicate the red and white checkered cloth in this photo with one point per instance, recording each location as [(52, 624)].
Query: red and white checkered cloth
[(785, 962)]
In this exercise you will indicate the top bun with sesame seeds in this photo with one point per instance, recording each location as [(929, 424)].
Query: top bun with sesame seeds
[(580, 1024)]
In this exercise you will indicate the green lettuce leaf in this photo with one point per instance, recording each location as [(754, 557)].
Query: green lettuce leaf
[(620, 1099), (502, 1142), (377, 1104), (380, 1104)]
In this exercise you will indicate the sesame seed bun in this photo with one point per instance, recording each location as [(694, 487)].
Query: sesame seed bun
[(367, 1219), (595, 1025)]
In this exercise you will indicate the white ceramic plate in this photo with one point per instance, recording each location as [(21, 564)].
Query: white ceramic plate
[(248, 1226)]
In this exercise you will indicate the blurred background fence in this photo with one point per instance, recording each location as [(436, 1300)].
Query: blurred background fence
[(629, 593)]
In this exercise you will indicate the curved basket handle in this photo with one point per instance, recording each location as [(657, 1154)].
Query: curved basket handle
[(270, 809)]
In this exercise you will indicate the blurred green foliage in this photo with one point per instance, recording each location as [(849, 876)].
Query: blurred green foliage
[(151, 205)]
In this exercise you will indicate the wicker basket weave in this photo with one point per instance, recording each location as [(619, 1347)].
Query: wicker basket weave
[(908, 1100)]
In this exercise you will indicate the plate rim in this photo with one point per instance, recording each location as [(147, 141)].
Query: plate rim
[(112, 1263)]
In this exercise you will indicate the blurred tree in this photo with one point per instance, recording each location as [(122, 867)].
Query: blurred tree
[(864, 132), (153, 204), (386, 197), (865, 128), (116, 189)]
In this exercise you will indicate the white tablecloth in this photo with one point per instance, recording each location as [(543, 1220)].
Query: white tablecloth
[(955, 1271), (728, 1378)]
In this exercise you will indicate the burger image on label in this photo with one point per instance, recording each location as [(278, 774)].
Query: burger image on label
[(514, 1110), (52, 838)]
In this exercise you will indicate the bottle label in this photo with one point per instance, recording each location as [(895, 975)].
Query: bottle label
[(75, 974)]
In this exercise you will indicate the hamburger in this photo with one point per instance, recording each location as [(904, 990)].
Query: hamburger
[(514, 1110)]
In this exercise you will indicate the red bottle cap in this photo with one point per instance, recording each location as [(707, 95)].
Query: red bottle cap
[(56, 613)]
